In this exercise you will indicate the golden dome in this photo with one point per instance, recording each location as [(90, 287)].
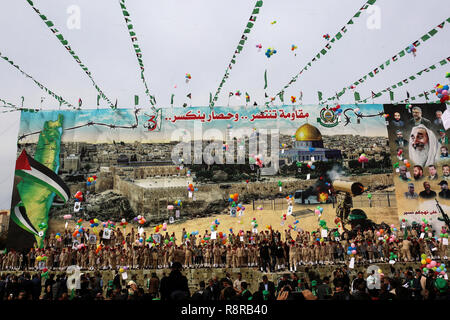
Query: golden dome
[(308, 132)]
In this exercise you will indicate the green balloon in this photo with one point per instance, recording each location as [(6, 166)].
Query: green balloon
[(166, 241)]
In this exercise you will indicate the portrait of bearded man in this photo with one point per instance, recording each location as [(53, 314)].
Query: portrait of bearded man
[(424, 148)]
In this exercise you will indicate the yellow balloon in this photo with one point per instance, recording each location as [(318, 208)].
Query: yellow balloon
[(121, 270)]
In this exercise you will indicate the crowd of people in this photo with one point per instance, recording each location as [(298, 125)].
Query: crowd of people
[(45, 269), (342, 284), (269, 250)]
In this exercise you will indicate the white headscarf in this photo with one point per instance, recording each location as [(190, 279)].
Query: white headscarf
[(434, 148)]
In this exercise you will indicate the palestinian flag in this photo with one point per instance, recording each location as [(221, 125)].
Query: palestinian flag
[(27, 167), (80, 102), (373, 95), (189, 96), (230, 94)]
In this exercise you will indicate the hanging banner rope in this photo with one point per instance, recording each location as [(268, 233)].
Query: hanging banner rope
[(48, 91), (406, 81), (15, 108), (7, 104), (66, 45), (240, 46), (328, 47), (395, 58), (137, 50)]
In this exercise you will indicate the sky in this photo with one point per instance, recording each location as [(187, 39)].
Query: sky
[(199, 37)]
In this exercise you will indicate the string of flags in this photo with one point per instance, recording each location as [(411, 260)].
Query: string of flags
[(328, 47), (406, 80), (240, 46), (40, 85), (395, 58), (420, 95), (66, 45), (137, 50), (411, 48), (15, 108)]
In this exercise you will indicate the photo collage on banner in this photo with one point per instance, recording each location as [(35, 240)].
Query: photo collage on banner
[(419, 150)]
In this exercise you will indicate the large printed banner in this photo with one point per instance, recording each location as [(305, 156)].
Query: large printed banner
[(419, 151), (118, 164)]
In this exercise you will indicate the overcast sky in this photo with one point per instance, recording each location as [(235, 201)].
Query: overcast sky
[(199, 37)]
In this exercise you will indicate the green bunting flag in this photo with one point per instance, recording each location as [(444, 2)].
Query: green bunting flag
[(136, 100), (171, 98), (210, 98), (357, 96), (243, 38), (265, 79), (65, 43), (319, 94), (41, 86), (98, 100), (391, 95), (138, 51), (337, 36), (401, 54), (281, 95)]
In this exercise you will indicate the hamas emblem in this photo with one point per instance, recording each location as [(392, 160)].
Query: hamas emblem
[(328, 118)]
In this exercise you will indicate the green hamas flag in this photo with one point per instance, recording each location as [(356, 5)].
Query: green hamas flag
[(265, 79), (98, 100), (391, 94), (319, 94), (357, 96), (171, 98), (210, 98), (136, 100)]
